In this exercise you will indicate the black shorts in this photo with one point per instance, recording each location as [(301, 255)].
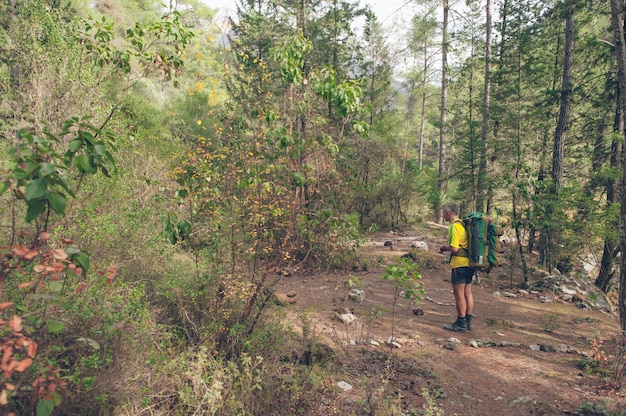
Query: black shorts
[(462, 275)]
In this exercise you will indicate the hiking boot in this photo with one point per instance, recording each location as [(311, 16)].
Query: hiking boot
[(460, 325), (468, 322)]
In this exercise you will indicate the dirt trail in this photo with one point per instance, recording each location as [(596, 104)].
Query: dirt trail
[(499, 375)]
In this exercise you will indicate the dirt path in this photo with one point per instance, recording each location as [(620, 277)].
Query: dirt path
[(492, 370)]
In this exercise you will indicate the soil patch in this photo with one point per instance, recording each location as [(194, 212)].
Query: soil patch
[(523, 356)]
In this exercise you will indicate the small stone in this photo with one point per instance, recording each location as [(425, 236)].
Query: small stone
[(473, 344), (560, 348), (534, 347), (421, 245), (346, 318), (521, 400), (345, 386), (567, 291), (284, 299), (357, 295)]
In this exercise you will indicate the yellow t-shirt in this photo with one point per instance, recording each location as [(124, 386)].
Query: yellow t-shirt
[(457, 237)]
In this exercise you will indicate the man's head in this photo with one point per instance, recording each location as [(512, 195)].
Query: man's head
[(450, 211)]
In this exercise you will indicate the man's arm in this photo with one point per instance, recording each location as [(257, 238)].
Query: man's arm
[(448, 248)]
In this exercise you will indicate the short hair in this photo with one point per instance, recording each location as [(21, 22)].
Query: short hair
[(451, 208)]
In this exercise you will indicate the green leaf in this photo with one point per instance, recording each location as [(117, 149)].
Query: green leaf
[(83, 260), (58, 202), (74, 145), (36, 189), (59, 180), (30, 166), (35, 209), (46, 169), (45, 407), (85, 164), (298, 179), (184, 228), (72, 250), (100, 149), (55, 326), (56, 286), (4, 187)]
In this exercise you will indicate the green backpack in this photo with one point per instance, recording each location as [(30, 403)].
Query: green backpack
[(483, 242)]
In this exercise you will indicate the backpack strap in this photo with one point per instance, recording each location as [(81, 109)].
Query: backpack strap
[(461, 252)]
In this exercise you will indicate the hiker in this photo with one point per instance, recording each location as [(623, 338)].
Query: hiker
[(462, 273)]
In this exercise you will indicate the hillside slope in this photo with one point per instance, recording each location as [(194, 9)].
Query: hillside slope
[(529, 352)]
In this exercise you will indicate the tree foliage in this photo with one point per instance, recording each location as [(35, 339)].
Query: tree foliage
[(292, 133)]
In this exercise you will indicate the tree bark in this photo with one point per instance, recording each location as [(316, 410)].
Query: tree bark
[(550, 232), (611, 245), (484, 135), (617, 21), (423, 110), (443, 181), (566, 101)]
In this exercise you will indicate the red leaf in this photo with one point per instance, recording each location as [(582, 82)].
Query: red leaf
[(39, 268), (32, 349), (20, 250), (8, 352), (16, 323), (59, 254), (67, 241), (44, 236), (5, 305), (25, 285), (31, 254), (23, 365)]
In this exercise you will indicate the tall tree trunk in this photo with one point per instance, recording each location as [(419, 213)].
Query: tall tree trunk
[(549, 236), (443, 180), (410, 107), (484, 135), (566, 101), (423, 110), (617, 20), (611, 246), (517, 215)]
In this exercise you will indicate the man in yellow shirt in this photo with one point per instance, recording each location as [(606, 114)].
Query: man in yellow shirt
[(462, 274)]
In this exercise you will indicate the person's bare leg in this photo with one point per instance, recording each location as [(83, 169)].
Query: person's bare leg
[(469, 300), (459, 298)]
